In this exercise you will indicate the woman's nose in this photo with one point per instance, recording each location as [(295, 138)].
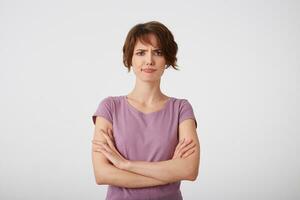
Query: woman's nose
[(149, 59)]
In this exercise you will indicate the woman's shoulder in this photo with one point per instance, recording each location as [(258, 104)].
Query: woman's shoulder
[(181, 103), (112, 99), (179, 100)]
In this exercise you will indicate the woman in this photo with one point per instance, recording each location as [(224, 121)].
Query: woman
[(145, 142)]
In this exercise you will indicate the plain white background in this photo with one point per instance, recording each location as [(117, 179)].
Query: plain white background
[(240, 68)]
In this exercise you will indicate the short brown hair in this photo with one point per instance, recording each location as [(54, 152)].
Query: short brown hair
[(164, 38)]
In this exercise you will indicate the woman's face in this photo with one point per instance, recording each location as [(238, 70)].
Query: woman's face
[(148, 62)]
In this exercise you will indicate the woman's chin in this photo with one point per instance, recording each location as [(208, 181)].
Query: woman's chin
[(149, 79)]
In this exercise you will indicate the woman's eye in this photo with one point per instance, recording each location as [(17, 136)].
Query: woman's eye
[(159, 53), (140, 53)]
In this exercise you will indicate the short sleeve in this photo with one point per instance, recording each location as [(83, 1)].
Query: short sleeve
[(104, 110), (186, 111)]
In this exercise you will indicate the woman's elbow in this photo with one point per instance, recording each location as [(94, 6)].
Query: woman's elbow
[(192, 172), (100, 177), (101, 173), (192, 176), (100, 180)]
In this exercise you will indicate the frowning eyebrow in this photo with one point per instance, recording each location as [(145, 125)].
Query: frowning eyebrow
[(147, 50)]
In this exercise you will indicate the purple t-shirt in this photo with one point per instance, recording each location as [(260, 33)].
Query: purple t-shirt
[(145, 137)]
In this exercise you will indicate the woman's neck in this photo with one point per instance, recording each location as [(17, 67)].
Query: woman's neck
[(147, 93)]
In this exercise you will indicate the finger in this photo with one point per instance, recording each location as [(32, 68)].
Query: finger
[(99, 143), (178, 147), (96, 141), (106, 147), (102, 131), (96, 145), (105, 153), (110, 134), (109, 155), (179, 144), (111, 145), (188, 153), (98, 149), (187, 148), (108, 140), (186, 143)]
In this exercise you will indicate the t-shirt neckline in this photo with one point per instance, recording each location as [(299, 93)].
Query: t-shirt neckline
[(150, 113)]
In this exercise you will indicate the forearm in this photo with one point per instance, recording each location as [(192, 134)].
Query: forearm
[(110, 175), (167, 171)]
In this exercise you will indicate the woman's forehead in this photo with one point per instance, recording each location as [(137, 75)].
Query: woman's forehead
[(146, 40)]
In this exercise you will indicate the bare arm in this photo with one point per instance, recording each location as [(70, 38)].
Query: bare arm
[(117, 177), (106, 173), (185, 168)]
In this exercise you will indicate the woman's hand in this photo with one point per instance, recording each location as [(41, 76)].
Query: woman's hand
[(184, 149), (108, 149)]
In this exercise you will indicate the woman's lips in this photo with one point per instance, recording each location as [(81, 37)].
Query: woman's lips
[(149, 70)]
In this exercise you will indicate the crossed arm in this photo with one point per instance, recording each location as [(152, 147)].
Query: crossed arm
[(111, 168)]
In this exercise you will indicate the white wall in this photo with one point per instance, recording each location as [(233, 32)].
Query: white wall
[(240, 68)]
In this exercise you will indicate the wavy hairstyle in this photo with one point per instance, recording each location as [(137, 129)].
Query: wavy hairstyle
[(164, 38)]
